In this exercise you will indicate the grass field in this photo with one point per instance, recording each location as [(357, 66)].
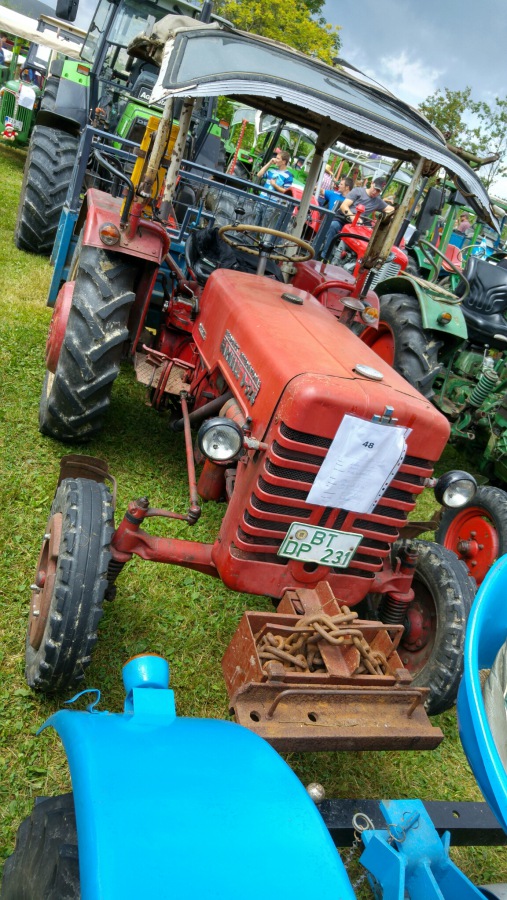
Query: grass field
[(189, 618)]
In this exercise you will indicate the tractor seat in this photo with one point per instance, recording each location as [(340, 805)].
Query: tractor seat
[(485, 307)]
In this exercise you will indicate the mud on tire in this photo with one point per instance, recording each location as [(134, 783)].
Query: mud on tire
[(72, 579), (415, 351), (44, 864), (75, 398), (48, 169)]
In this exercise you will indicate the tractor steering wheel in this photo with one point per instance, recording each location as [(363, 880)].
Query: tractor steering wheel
[(257, 246), (423, 244), (468, 251)]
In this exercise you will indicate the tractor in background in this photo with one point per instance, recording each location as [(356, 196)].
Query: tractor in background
[(102, 87)]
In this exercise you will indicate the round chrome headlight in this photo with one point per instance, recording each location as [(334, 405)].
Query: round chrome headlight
[(455, 489), (220, 439)]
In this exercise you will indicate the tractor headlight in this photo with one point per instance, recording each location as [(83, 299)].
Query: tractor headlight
[(220, 439), (455, 489)]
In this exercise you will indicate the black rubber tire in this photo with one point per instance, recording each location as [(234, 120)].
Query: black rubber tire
[(441, 583), (493, 502), (44, 864), (48, 99), (415, 350), (413, 267), (74, 604), (48, 169), (75, 399)]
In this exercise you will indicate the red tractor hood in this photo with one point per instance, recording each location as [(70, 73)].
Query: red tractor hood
[(262, 335)]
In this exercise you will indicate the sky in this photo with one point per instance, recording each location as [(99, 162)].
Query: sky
[(414, 47)]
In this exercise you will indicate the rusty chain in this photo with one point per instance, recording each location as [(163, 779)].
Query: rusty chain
[(300, 651)]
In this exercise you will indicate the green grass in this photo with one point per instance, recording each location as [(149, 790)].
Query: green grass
[(187, 617)]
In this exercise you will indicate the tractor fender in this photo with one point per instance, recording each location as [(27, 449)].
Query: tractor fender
[(150, 242), (68, 109), (201, 806), (58, 325), (432, 302)]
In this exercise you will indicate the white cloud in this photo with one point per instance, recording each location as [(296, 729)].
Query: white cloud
[(411, 80)]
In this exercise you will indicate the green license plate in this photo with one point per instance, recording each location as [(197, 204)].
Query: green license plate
[(309, 543)]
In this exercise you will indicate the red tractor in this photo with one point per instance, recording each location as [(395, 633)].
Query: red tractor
[(319, 447)]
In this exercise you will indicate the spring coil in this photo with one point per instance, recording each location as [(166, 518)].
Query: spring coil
[(391, 611), (113, 570), (486, 384)]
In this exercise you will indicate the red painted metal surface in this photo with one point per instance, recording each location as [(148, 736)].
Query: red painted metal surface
[(473, 536), (58, 325), (150, 242), (312, 276)]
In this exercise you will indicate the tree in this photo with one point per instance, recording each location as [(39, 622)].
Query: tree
[(493, 130), (476, 126), (288, 21), (447, 110)]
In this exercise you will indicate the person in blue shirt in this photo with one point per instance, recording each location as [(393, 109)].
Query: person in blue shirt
[(369, 198), (274, 175), (332, 199)]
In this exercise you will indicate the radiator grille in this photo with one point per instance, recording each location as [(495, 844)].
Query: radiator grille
[(388, 270), (288, 471)]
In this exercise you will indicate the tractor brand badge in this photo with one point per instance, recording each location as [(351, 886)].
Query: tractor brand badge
[(240, 367), (202, 331)]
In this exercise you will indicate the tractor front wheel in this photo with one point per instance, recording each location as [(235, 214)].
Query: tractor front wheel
[(477, 532), (48, 169), (433, 642), (402, 341), (76, 395), (70, 584), (45, 861)]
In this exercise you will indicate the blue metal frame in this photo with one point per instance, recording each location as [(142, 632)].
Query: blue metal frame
[(486, 634), (190, 808), (193, 173)]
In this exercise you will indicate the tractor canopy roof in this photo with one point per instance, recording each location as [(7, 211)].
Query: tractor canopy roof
[(198, 60)]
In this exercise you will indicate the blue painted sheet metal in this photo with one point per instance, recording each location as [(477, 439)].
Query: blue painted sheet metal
[(190, 808), (486, 634)]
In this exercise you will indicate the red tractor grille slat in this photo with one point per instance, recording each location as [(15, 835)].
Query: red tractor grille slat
[(279, 497)]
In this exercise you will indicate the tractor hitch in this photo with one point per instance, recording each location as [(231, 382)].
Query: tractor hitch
[(315, 681)]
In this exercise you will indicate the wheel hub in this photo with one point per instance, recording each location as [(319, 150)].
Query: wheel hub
[(42, 589), (472, 535), (419, 636)]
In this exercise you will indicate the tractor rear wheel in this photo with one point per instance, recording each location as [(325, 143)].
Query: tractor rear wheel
[(477, 532), (45, 864), (48, 169), (433, 642), (402, 342), (76, 396), (70, 584)]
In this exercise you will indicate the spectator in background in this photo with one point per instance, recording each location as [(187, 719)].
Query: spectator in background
[(368, 197), (463, 224), (274, 175), (332, 199)]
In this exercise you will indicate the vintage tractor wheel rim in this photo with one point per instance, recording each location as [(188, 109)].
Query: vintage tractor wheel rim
[(43, 587), (420, 633), (473, 536), (381, 341)]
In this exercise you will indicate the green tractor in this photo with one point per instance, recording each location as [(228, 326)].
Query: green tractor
[(451, 346), (21, 91), (106, 87)]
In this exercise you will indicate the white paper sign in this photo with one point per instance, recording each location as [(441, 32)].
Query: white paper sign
[(359, 466)]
